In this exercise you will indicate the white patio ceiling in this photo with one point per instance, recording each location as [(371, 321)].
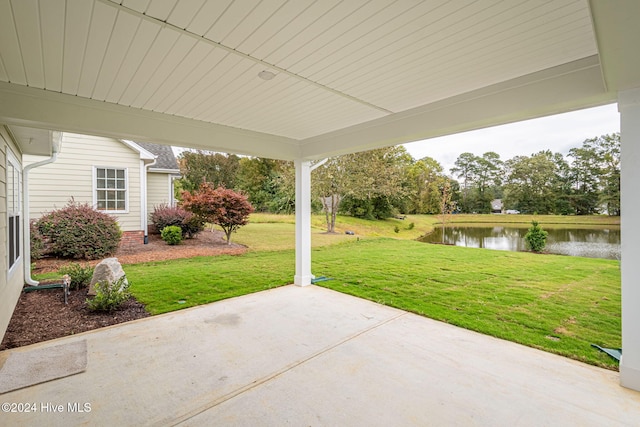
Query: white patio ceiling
[(349, 75)]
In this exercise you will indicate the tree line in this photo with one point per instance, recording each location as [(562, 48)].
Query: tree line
[(584, 182), (388, 181)]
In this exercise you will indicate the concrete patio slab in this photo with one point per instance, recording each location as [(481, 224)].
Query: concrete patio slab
[(311, 356)]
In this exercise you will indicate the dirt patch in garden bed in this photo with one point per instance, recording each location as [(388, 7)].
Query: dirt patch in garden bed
[(42, 315)]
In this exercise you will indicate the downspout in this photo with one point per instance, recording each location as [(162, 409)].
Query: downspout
[(143, 196), (26, 230)]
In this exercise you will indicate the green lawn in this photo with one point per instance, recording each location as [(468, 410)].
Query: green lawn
[(556, 303), (270, 231), (276, 236), (277, 232), (172, 285)]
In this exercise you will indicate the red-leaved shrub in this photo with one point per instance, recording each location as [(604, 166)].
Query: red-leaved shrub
[(37, 241), (79, 231), (165, 216)]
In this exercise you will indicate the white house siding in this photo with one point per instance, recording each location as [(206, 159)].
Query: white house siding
[(71, 175), (10, 284), (158, 190)]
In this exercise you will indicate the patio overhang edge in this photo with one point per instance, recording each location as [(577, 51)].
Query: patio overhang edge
[(43, 109), (568, 87)]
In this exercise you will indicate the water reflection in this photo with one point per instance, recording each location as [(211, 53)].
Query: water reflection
[(589, 242)]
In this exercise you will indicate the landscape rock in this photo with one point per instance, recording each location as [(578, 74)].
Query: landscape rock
[(110, 270)]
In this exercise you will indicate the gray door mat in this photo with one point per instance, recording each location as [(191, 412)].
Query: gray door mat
[(34, 366)]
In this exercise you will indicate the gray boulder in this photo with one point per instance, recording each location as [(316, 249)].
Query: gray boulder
[(110, 270)]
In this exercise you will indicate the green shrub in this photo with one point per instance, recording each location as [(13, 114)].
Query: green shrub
[(81, 232), (80, 274), (164, 216), (172, 234), (411, 226), (536, 237), (396, 229), (109, 296), (37, 240)]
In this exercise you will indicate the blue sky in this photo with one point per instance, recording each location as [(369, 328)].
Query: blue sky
[(557, 133)]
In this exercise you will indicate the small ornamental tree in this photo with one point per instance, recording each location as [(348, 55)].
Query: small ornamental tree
[(226, 208), (536, 237)]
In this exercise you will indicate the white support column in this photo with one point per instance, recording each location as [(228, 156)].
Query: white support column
[(303, 223), (629, 108)]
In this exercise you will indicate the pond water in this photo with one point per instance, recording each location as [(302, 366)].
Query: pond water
[(587, 241)]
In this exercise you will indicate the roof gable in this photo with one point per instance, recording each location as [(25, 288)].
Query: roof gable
[(165, 159)]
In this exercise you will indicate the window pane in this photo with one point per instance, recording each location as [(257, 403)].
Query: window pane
[(17, 235), (16, 189), (111, 189), (14, 239), (12, 251), (10, 188), (13, 208)]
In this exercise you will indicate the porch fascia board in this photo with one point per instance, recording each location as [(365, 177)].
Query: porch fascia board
[(39, 108), (568, 87)]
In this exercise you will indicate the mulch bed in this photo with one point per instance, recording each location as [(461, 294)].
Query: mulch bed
[(42, 315), (207, 243)]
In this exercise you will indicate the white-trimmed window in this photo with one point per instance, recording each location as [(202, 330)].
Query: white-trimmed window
[(14, 209), (110, 189)]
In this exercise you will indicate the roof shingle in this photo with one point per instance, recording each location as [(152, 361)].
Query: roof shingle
[(166, 159)]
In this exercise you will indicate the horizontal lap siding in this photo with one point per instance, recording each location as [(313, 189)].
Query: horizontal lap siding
[(158, 190), (10, 286), (52, 186)]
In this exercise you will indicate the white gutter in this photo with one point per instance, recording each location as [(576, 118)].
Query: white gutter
[(56, 138), (143, 197)]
